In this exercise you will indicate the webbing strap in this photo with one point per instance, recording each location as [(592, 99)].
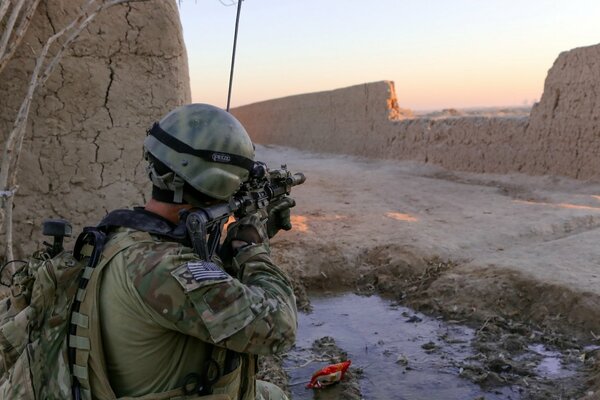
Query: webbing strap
[(79, 342), (79, 319), (87, 250), (80, 295), (87, 273), (80, 372)]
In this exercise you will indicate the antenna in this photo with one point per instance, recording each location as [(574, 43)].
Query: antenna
[(237, 22)]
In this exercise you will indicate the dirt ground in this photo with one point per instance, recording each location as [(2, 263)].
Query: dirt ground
[(515, 256)]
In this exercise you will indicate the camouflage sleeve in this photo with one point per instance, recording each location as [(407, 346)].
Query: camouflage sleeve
[(253, 314)]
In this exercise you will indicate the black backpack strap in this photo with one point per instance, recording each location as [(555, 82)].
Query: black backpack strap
[(94, 238), (90, 243)]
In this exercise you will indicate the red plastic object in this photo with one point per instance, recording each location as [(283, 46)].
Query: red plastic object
[(328, 375)]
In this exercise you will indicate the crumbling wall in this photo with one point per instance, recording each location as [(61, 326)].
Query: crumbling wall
[(82, 155), (365, 120), (337, 121), (564, 127), (560, 137)]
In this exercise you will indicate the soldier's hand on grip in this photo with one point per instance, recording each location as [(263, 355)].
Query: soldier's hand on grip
[(247, 231), (279, 216)]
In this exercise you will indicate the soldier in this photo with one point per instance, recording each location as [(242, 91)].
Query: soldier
[(167, 324)]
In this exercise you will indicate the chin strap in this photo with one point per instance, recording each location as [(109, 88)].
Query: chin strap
[(169, 181)]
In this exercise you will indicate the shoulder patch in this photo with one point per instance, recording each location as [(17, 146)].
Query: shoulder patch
[(205, 270), (195, 274)]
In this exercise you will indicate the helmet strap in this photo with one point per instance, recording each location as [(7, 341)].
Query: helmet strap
[(169, 181), (217, 157)]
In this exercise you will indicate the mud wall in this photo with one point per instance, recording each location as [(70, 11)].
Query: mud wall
[(559, 137), (564, 127), (82, 154)]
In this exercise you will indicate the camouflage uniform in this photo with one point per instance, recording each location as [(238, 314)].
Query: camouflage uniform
[(140, 317), (161, 314)]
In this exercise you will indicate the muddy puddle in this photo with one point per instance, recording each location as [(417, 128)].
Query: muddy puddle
[(398, 353)]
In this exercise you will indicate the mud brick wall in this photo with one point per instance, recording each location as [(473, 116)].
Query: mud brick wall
[(561, 136), (564, 127), (82, 155)]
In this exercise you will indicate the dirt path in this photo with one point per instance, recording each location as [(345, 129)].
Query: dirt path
[(473, 247)]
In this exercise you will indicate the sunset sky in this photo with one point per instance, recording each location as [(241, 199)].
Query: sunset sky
[(440, 54)]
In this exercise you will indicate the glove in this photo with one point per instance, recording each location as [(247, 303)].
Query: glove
[(279, 216), (248, 230)]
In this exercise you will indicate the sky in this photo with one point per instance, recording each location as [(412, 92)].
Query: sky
[(440, 53)]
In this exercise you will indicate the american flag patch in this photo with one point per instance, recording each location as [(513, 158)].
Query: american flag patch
[(206, 271)]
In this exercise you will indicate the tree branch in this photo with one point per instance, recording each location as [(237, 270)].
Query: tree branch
[(8, 30), (3, 9), (20, 31)]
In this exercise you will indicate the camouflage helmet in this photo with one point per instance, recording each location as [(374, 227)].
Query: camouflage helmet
[(203, 146)]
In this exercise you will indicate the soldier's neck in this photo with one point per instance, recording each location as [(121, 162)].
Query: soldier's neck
[(166, 210)]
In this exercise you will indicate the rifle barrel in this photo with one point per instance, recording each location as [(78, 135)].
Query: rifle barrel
[(297, 179)]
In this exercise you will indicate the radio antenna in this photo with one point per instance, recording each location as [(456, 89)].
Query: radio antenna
[(235, 35)]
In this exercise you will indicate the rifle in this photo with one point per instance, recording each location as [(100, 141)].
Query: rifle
[(204, 225)]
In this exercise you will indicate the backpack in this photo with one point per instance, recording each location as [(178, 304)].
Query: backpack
[(39, 320), (35, 319)]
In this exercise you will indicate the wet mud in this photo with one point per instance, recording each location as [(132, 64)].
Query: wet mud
[(436, 349), (402, 354)]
